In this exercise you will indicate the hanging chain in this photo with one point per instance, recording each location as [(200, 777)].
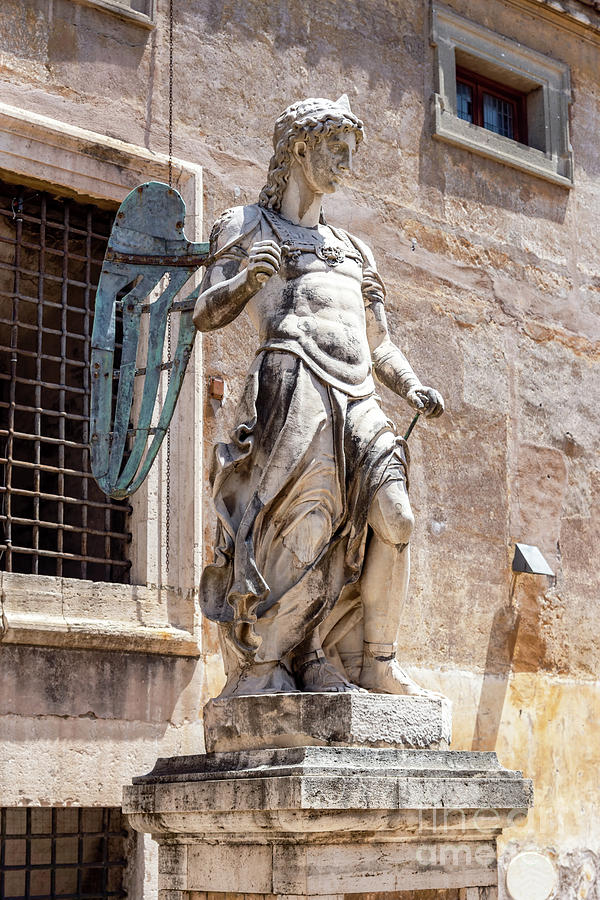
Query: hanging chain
[(169, 340), (168, 473)]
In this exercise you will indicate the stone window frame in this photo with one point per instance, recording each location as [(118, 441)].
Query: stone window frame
[(122, 8), (459, 41), (157, 612)]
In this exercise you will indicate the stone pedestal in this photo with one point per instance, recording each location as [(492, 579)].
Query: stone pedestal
[(332, 720), (325, 821)]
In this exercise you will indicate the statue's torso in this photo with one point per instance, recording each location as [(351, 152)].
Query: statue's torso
[(315, 309)]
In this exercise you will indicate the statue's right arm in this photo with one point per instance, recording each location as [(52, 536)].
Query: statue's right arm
[(238, 274)]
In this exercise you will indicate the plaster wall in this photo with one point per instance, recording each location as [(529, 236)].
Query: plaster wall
[(494, 296)]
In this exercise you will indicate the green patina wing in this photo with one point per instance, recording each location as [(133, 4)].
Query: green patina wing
[(148, 260)]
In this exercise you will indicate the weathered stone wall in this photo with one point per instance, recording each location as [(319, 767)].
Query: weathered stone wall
[(395, 895), (496, 306), (493, 293)]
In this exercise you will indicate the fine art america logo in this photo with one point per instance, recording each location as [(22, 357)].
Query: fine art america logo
[(530, 875)]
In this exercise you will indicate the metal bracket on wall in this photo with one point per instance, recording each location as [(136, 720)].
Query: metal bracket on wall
[(529, 559)]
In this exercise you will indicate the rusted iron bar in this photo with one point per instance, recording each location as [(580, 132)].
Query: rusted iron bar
[(33, 354), (27, 298), (74, 557), (86, 396), (44, 467), (76, 501), (76, 529), (61, 390), (21, 407), (53, 386), (25, 326), (14, 340), (24, 436), (37, 432)]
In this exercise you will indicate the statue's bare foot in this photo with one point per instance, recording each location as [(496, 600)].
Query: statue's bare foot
[(316, 675), (387, 677)]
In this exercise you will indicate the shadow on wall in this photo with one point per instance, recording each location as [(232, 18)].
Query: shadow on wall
[(57, 31), (472, 179), (374, 40), (498, 666), (39, 681), (515, 645)]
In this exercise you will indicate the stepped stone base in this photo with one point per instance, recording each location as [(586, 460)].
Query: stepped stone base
[(323, 822), (339, 720)]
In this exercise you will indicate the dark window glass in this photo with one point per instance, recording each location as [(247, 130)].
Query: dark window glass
[(498, 115), (464, 101), (490, 105)]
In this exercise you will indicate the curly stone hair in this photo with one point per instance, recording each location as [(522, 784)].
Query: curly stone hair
[(307, 120)]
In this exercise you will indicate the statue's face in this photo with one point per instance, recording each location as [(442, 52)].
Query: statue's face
[(327, 163)]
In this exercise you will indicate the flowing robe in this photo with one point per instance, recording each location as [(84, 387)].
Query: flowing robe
[(310, 447)]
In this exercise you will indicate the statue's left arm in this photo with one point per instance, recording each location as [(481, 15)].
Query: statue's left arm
[(389, 363)]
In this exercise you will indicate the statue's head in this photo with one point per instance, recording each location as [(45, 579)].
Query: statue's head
[(306, 122)]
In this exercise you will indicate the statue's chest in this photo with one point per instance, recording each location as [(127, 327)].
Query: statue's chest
[(332, 262), (313, 250)]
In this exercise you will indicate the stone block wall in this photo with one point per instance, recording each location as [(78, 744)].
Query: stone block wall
[(493, 288), (396, 895)]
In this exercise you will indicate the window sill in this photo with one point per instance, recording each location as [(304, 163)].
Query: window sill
[(543, 79), (123, 12), (65, 612), (452, 130)]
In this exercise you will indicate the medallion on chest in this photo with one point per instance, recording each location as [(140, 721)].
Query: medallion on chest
[(295, 240)]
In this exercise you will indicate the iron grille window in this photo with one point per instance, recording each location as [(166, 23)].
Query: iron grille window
[(64, 853), (491, 105), (54, 520)]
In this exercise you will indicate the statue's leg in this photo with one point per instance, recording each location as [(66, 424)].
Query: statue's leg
[(314, 672), (384, 587)]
